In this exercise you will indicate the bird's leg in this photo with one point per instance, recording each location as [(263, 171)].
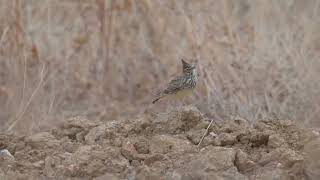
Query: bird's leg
[(175, 108), (181, 104), (184, 102), (170, 107)]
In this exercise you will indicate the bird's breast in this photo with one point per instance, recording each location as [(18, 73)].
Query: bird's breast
[(183, 93)]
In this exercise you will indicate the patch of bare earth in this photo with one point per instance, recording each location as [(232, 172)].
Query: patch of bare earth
[(164, 147)]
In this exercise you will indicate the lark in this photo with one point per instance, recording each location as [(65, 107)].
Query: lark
[(181, 86)]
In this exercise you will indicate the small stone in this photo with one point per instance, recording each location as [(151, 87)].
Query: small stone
[(213, 134), (275, 141), (195, 135), (142, 146), (95, 134), (6, 153), (286, 123), (240, 121), (267, 158), (165, 143), (128, 150), (216, 142), (243, 137), (135, 163), (228, 128), (38, 164), (6, 159), (117, 142), (79, 122), (42, 140), (242, 161), (130, 153), (208, 140), (315, 132), (69, 147), (80, 136), (227, 139), (259, 139)]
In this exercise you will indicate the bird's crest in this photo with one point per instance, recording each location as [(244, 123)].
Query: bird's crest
[(186, 67)]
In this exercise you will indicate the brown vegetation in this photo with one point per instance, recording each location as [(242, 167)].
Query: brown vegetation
[(60, 58), (105, 59)]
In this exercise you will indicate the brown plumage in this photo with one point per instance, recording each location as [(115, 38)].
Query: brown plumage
[(182, 85)]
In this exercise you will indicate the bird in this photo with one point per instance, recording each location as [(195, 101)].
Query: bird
[(182, 85)]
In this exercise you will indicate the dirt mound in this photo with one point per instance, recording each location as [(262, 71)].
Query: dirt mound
[(164, 147)]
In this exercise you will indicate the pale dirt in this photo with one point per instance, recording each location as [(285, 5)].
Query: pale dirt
[(155, 146)]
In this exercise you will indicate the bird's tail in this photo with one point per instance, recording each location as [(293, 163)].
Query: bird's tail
[(157, 99), (160, 96)]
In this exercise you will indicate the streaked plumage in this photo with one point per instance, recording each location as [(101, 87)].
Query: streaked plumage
[(182, 85)]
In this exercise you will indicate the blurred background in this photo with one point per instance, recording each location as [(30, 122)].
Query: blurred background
[(106, 58)]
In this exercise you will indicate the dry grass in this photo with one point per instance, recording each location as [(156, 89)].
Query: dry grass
[(258, 59)]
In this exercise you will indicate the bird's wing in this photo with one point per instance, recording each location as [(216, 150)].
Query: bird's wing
[(174, 85)]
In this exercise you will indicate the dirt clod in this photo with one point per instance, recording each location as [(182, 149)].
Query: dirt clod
[(163, 148)]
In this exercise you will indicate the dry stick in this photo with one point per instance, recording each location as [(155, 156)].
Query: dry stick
[(205, 133), (3, 35), (24, 82), (110, 25), (41, 83), (20, 115), (53, 98)]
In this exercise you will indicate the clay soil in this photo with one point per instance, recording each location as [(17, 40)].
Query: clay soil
[(164, 146)]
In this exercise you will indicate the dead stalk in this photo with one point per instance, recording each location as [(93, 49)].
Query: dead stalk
[(24, 80), (20, 115), (3, 35), (205, 133)]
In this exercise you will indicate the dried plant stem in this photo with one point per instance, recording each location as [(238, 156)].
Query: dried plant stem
[(24, 81), (20, 115), (3, 35), (205, 133)]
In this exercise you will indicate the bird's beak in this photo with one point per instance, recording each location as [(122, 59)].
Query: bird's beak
[(184, 62)]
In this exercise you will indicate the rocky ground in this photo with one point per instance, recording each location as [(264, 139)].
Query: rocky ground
[(164, 146)]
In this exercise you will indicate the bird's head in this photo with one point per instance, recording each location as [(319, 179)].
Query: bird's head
[(188, 68)]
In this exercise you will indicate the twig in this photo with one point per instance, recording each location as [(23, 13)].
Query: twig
[(110, 25), (205, 133), (20, 115), (53, 98), (24, 82), (3, 35)]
